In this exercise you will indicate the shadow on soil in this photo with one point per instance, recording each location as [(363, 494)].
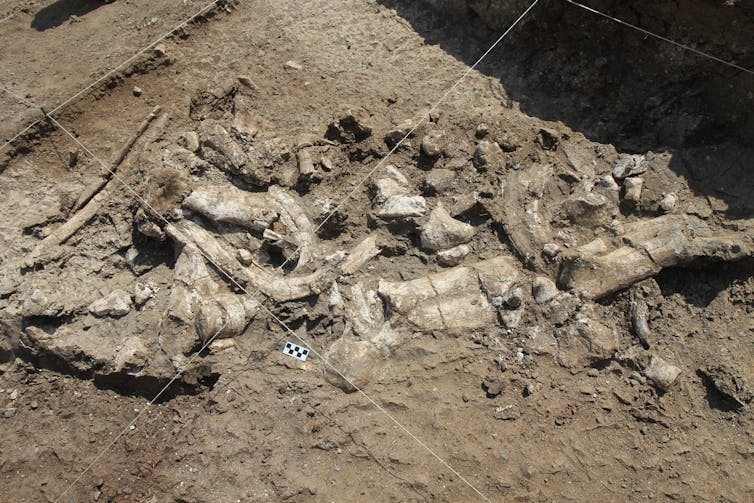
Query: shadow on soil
[(619, 87), (61, 11)]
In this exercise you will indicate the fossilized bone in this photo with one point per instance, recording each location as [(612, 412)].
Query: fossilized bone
[(459, 298), (601, 267), (90, 201)]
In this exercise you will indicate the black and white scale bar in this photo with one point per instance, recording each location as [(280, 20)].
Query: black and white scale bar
[(296, 351)]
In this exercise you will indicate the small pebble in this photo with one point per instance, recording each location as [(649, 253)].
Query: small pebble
[(515, 298), (544, 290), (550, 250), (668, 202), (34, 405), (246, 81), (507, 413), (138, 91), (482, 130), (593, 373), (493, 386), (245, 256)]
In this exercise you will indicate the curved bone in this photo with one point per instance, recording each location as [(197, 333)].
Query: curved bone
[(293, 217), (281, 289)]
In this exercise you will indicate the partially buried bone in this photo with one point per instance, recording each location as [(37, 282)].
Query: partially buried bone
[(367, 341), (228, 204), (600, 268), (459, 298), (258, 211)]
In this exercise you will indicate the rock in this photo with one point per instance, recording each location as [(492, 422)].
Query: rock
[(13, 395), (482, 130), (541, 343), (548, 139), (729, 383), (589, 209), (632, 186), (606, 186), (515, 298), (246, 81), (191, 141), (453, 256), (397, 207), (143, 291), (137, 91), (442, 231), (581, 159), (662, 373), (629, 165), (34, 405), (355, 361), (245, 256), (160, 50), (398, 133), (9, 412), (668, 202), (349, 128), (385, 188), (507, 413), (396, 175), (589, 340), (326, 163), (438, 181), (38, 303), (293, 65), (432, 144), (493, 386), (544, 290), (550, 250), (487, 154), (115, 304), (560, 309)]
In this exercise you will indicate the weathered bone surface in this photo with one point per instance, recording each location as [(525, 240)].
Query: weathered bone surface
[(600, 268), (367, 341), (456, 299), (518, 208), (227, 204)]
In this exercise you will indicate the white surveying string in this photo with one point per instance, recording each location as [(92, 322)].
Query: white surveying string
[(109, 73), (660, 37)]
